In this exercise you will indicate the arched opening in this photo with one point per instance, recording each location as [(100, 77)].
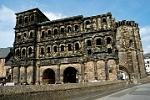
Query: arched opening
[(123, 73), (109, 50), (26, 20), (31, 35), (32, 17), (55, 48), (76, 28), (70, 75), (23, 52), (42, 51), (48, 49), (48, 76), (19, 37), (77, 46), (98, 41), (49, 32), (69, 29), (89, 52), (89, 43), (87, 23), (69, 47), (55, 31), (30, 51), (62, 30), (20, 20), (130, 43), (108, 40), (62, 48), (43, 34), (25, 35), (17, 52), (104, 20)]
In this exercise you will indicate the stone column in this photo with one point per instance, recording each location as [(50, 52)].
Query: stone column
[(95, 70), (58, 74), (25, 74), (12, 71), (38, 75), (18, 78), (82, 72), (106, 70)]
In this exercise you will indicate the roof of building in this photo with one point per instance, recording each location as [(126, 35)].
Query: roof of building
[(63, 19), (147, 55), (32, 10), (4, 52)]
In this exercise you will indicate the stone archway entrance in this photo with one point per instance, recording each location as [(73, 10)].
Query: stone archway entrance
[(124, 73), (48, 76), (70, 75)]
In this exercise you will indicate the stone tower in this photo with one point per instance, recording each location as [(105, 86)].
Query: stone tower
[(130, 51)]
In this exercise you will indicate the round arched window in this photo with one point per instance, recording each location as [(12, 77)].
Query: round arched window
[(77, 46)]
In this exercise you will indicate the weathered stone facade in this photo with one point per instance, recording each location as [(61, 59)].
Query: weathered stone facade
[(75, 49)]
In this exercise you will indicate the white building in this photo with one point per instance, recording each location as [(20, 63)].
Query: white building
[(147, 62)]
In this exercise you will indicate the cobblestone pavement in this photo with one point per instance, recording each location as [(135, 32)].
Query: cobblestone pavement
[(140, 92)]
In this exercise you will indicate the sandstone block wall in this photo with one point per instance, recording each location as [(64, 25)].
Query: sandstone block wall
[(57, 92)]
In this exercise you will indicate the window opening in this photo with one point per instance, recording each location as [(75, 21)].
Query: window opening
[(30, 51), (55, 48), (25, 35), (55, 31), (77, 46), (109, 50), (43, 34), (49, 32), (31, 34), (32, 17), (42, 51), (23, 52), (62, 30), (76, 28), (69, 29), (89, 43), (17, 52), (20, 20), (104, 20), (108, 40), (26, 19), (48, 49), (69, 47), (130, 43), (62, 47), (98, 42), (89, 52)]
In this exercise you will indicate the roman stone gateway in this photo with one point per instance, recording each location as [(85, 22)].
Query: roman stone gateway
[(75, 49)]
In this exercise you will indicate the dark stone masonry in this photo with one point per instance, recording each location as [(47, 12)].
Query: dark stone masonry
[(75, 49)]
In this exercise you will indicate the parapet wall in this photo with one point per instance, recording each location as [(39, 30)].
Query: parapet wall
[(58, 91), (126, 23)]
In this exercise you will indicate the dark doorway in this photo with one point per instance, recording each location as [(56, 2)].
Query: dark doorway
[(49, 76), (70, 75)]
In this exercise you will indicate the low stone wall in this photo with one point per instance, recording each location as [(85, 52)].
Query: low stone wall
[(144, 80), (58, 91)]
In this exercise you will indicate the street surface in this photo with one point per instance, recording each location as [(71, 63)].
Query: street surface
[(140, 92)]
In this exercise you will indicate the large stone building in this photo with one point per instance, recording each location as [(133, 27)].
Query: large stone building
[(75, 49)]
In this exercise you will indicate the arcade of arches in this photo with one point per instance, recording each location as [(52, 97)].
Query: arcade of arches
[(74, 74), (69, 76)]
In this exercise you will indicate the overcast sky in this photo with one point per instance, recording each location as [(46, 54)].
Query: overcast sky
[(137, 10)]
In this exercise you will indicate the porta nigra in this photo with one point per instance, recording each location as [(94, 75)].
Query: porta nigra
[(75, 49)]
